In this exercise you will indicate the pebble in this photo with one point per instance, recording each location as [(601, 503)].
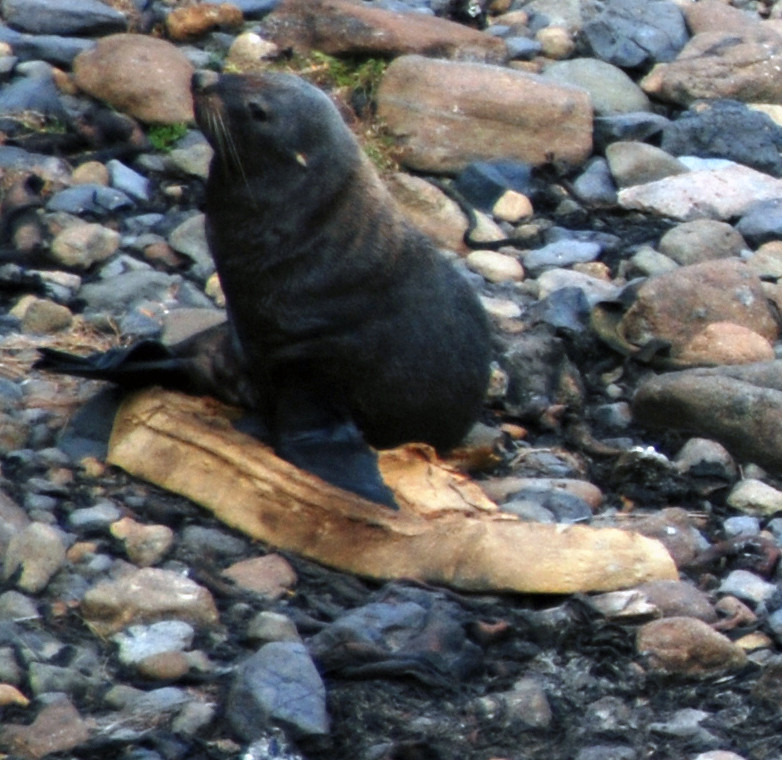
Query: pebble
[(278, 683), (36, 553), (610, 90), (145, 545), (147, 595), (42, 316), (687, 646), (83, 244), (495, 266), (636, 163), (525, 704), (560, 254), (754, 497), (57, 727), (701, 240), (271, 626), (747, 586), (138, 642), (271, 576), (96, 518)]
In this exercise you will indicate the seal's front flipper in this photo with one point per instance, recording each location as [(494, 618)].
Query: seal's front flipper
[(339, 456)]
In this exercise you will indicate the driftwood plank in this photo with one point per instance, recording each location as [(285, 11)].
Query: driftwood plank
[(446, 531)]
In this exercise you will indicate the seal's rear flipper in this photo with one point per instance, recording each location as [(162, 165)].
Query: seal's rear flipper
[(142, 364), (340, 456)]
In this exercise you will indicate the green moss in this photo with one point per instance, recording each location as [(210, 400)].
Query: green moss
[(163, 136)]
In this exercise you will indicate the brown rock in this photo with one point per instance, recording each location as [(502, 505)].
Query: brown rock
[(674, 529), (10, 695), (270, 576), (90, 172), (43, 316), (340, 27), (145, 545), (430, 209), (164, 666), (191, 22), (676, 306), (556, 42), (687, 646), (721, 65), (740, 406), (146, 596), (726, 343), (57, 728), (716, 16), (495, 266), (512, 207), (142, 76), (677, 598), (445, 115), (701, 240), (767, 261)]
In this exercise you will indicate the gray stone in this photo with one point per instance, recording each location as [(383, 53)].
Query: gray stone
[(762, 222), (116, 295), (741, 525), (747, 586), (635, 163), (97, 517), (563, 253), (634, 33), (607, 752), (594, 289), (89, 199), (54, 48), (17, 607), (701, 240), (739, 406), (638, 127), (63, 17), (610, 89), (701, 457), (128, 181), (54, 170), (36, 93), (595, 185), (727, 129), (721, 192), (139, 641), (278, 685), (189, 238)]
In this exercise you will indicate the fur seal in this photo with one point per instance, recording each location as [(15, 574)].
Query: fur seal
[(351, 328), (355, 326)]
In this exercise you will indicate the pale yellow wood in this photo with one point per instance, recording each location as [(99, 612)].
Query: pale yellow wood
[(446, 531)]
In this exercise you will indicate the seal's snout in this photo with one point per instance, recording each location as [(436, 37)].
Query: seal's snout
[(203, 78)]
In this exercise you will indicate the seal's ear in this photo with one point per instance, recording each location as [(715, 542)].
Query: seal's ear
[(301, 159)]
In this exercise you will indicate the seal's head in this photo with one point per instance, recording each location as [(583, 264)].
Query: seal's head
[(269, 121)]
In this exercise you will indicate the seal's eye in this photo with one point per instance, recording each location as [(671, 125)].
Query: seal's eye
[(258, 111)]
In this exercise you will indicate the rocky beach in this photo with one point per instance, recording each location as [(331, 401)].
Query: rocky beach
[(607, 175)]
